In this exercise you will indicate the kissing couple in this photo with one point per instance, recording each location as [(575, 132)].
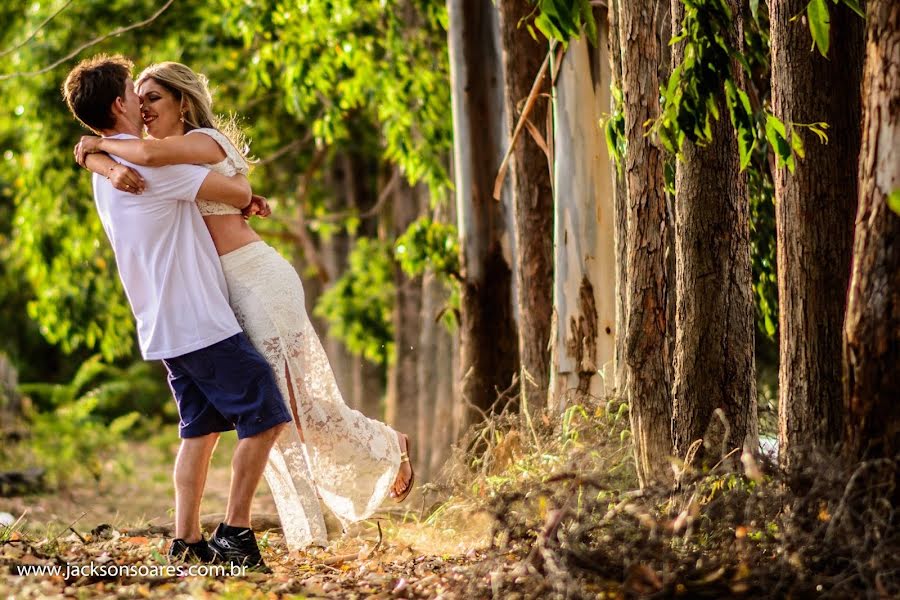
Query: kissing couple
[(226, 315)]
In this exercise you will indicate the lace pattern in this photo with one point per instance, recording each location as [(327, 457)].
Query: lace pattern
[(349, 459), (231, 164)]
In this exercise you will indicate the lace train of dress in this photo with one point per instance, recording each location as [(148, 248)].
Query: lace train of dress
[(350, 459)]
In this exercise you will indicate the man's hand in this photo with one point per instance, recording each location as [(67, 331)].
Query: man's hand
[(89, 144), (126, 179), (258, 207)]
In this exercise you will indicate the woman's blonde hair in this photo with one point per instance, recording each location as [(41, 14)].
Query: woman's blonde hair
[(192, 89)]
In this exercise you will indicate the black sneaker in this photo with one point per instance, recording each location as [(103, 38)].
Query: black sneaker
[(237, 545), (181, 551)]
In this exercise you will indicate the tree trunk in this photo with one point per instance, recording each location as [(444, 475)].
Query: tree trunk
[(342, 179), (401, 409), (369, 379), (647, 358), (488, 339), (584, 274), (369, 388), (532, 198), (814, 207), (442, 433), (714, 326), (620, 200), (872, 330)]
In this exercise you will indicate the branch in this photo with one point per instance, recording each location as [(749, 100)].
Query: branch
[(36, 30), (90, 43), (286, 149), (523, 118), (382, 198)]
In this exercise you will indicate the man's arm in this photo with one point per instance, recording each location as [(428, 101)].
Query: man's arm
[(234, 190)]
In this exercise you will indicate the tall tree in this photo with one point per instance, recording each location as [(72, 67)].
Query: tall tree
[(872, 329), (620, 192), (488, 339), (401, 410), (814, 253), (713, 357), (647, 358), (532, 199), (584, 273)]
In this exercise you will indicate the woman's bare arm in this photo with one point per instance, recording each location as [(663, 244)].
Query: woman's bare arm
[(234, 190), (122, 178), (173, 150)]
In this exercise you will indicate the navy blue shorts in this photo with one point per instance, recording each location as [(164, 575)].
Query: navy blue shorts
[(226, 386)]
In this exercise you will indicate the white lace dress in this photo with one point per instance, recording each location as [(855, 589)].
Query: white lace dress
[(349, 459)]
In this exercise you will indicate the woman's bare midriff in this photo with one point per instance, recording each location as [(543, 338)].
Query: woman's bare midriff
[(229, 232)]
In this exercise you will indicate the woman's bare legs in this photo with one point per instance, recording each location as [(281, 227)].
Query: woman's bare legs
[(293, 401)]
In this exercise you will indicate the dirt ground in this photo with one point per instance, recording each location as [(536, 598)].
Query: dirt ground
[(399, 553)]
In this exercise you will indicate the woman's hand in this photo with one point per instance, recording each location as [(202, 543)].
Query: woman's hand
[(89, 144), (258, 207), (126, 179)]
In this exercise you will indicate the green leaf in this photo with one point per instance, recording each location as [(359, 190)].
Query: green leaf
[(797, 143), (819, 24), (855, 7), (893, 201), (754, 9), (777, 138)]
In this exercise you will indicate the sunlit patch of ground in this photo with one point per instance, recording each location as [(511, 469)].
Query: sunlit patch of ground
[(404, 551)]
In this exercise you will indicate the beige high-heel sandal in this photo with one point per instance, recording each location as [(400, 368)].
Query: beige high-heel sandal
[(404, 458)]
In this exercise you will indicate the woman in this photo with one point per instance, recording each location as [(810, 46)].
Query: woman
[(352, 461)]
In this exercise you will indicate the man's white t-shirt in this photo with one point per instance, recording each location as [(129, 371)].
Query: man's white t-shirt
[(167, 260)]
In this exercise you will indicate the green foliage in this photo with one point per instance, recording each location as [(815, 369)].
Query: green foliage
[(358, 307), (429, 244), (385, 61), (742, 121), (114, 391), (563, 20), (77, 429), (689, 99), (760, 187), (819, 16), (71, 441), (57, 245), (614, 128), (762, 250), (819, 24), (893, 201), (691, 95), (329, 69)]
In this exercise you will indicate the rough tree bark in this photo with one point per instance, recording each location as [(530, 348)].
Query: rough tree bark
[(488, 339), (814, 208), (532, 198), (584, 274), (872, 329), (714, 368), (620, 200), (647, 358)]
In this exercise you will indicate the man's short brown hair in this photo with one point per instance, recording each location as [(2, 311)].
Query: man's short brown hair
[(93, 85)]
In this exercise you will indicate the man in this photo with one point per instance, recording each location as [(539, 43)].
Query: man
[(176, 288)]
